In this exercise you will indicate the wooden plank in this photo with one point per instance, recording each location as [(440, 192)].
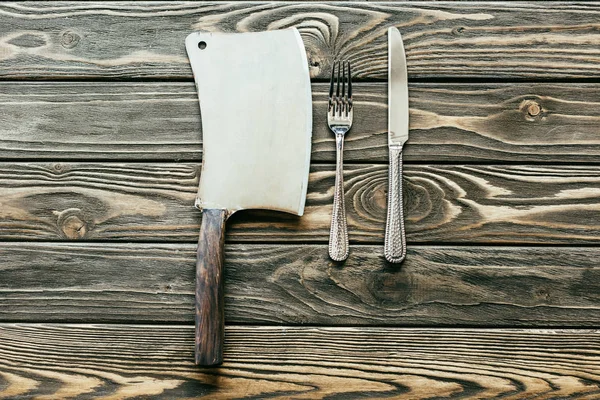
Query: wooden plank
[(298, 284), (124, 361), (444, 204), (161, 121), (443, 39)]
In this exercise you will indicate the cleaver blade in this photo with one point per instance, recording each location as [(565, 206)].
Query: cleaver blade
[(256, 107)]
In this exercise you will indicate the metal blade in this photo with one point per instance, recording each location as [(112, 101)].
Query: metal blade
[(256, 107), (397, 90)]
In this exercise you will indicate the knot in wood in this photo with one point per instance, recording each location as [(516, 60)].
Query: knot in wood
[(72, 224), (69, 39), (74, 228), (316, 62), (532, 110)]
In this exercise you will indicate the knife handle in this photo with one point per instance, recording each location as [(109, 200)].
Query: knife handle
[(209, 289), (395, 238), (338, 235)]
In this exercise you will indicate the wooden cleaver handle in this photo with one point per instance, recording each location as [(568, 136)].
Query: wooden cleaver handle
[(209, 289)]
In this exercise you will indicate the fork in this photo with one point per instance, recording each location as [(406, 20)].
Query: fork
[(339, 119)]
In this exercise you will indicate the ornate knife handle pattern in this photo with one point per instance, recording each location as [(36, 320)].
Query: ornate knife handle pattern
[(339, 246), (394, 248)]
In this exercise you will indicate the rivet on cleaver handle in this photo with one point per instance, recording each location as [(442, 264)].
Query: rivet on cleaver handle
[(256, 108)]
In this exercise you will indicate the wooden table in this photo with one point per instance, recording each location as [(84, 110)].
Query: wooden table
[(100, 146)]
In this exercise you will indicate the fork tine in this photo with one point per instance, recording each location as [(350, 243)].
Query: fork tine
[(343, 78), (336, 98), (349, 88), (331, 86), (337, 90)]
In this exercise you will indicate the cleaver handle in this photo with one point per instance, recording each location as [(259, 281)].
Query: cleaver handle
[(209, 289)]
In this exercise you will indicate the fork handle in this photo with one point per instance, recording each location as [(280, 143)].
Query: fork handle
[(394, 248), (338, 236)]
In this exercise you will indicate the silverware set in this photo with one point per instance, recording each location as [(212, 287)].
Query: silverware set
[(339, 118), (256, 153)]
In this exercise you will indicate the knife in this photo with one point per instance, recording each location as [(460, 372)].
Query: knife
[(395, 238), (256, 106)]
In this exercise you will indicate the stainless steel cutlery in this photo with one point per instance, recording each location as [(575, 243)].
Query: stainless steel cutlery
[(272, 156), (256, 152), (339, 119), (394, 248)]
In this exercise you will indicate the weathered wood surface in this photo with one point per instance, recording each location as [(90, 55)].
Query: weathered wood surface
[(298, 284), (118, 161), (449, 122), (444, 204), (443, 39), (124, 361)]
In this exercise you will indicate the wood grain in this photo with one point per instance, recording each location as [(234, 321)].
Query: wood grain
[(111, 161), (209, 289), (444, 204), (298, 284), (504, 40), (488, 123), (124, 361)]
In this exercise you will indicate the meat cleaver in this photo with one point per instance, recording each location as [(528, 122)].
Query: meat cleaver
[(256, 108)]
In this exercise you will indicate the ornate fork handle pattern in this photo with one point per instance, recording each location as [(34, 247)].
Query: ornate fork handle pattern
[(394, 248), (339, 246)]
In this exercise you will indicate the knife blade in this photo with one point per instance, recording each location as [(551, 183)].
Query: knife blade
[(395, 237)]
